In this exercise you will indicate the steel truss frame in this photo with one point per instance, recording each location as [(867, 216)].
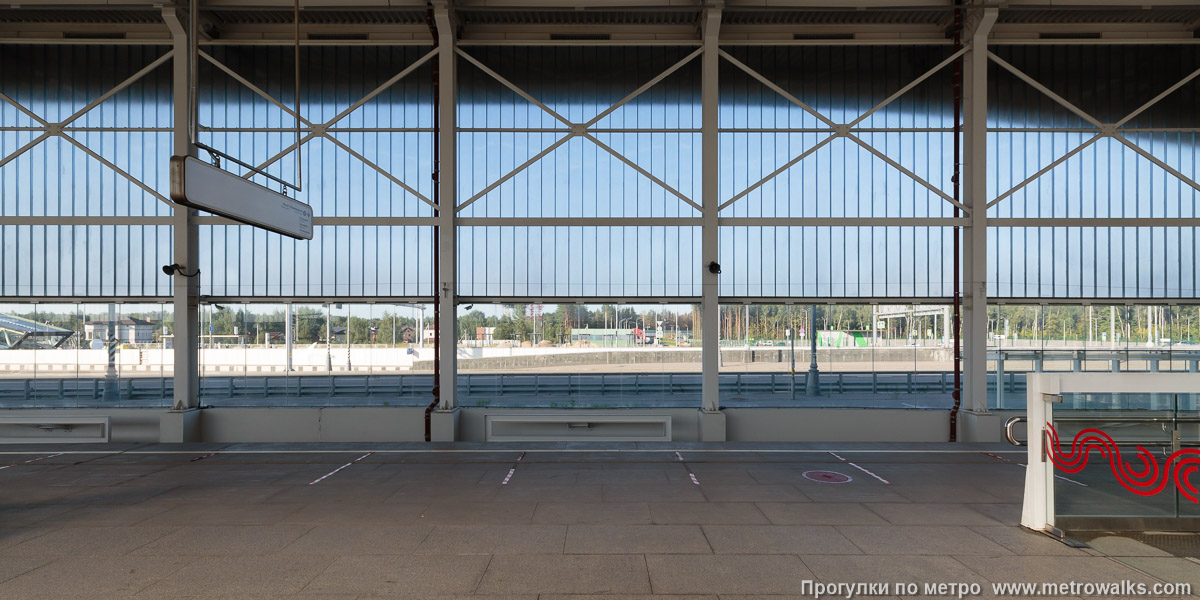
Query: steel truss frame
[(1102, 130), (62, 128), (833, 131)]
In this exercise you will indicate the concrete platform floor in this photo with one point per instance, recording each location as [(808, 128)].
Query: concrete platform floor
[(529, 521)]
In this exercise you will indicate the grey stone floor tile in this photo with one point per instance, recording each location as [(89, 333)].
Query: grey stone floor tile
[(1006, 514), (524, 491), (778, 539), (406, 596), (354, 513), (12, 566), (920, 540), (785, 597), (889, 569), (109, 516), (458, 492), (88, 541), (566, 574), (1168, 569), (951, 493), (820, 513), (10, 536), (1122, 546), (722, 492), (855, 491), (627, 597), (707, 513), (929, 514), (222, 513), (610, 513), (333, 492), (476, 513), (239, 596), (414, 575), (1082, 569), (251, 576), (350, 540), (224, 540), (726, 574), (633, 476), (778, 474), (712, 476), (664, 492), (106, 576), (494, 539), (1022, 541), (217, 492), (35, 515), (636, 539), (117, 495), (536, 474)]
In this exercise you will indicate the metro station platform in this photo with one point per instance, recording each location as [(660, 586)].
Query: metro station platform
[(561, 521)]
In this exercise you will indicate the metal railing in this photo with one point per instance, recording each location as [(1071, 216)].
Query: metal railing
[(470, 385)]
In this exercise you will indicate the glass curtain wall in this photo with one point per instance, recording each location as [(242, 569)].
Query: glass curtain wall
[(579, 355)]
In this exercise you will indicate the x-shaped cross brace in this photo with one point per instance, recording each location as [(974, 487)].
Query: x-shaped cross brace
[(845, 130), (322, 130), (578, 129), (58, 129), (1105, 129)]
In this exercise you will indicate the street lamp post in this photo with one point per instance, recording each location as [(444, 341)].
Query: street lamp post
[(813, 385), (792, 338), (328, 342)]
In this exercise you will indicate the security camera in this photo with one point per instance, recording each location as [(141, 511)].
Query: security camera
[(714, 268), (174, 268)]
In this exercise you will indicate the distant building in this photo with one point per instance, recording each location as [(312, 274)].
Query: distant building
[(429, 334), (407, 334), (608, 337), (485, 334), (130, 330)]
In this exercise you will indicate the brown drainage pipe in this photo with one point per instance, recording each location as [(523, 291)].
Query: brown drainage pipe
[(958, 83), (437, 169)]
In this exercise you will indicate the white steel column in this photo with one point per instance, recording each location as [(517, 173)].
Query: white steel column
[(712, 425), (447, 200), (975, 237), (186, 290)]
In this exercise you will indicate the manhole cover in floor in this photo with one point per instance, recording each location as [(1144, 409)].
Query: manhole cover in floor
[(827, 476)]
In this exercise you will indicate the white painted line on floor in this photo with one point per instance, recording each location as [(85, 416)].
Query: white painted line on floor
[(1079, 483), (203, 457), (44, 457), (694, 480), (325, 476), (679, 456), (520, 456), (509, 476), (835, 455), (886, 482), (5, 466), (1024, 465)]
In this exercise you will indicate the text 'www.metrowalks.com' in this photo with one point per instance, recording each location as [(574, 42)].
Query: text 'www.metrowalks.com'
[(817, 589)]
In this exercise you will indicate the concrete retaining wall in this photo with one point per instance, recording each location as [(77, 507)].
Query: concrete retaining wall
[(407, 424)]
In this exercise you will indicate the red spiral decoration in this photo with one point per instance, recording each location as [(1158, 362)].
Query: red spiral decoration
[(1148, 480)]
